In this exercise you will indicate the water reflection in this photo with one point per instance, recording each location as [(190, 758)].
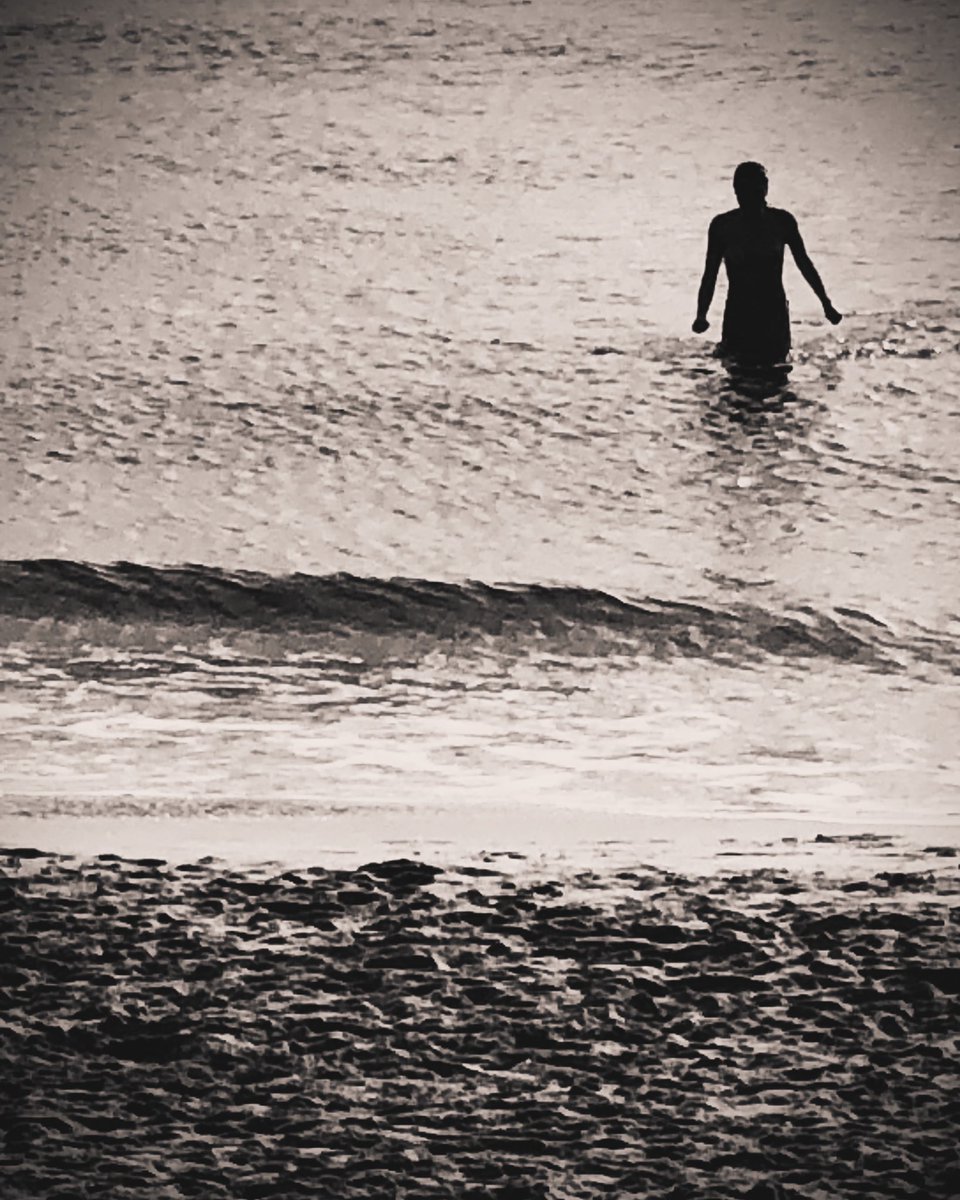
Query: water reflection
[(760, 383), (759, 465)]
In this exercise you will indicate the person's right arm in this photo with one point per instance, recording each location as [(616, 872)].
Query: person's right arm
[(808, 270), (709, 280)]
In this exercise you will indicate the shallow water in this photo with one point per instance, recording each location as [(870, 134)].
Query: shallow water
[(404, 293)]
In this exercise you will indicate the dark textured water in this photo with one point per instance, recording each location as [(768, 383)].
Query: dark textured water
[(378, 315)]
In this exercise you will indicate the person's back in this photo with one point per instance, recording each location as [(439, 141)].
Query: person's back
[(753, 245), (749, 240)]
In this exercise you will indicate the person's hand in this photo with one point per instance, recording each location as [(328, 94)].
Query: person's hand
[(831, 314), (701, 325)]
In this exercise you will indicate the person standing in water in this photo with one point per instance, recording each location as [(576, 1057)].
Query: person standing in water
[(749, 240)]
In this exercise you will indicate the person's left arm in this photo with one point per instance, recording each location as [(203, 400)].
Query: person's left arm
[(807, 269), (708, 280)]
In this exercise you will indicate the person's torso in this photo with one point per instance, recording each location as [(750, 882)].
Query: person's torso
[(753, 244)]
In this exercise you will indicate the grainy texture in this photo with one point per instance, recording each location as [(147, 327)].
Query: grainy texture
[(366, 308), (398, 1031)]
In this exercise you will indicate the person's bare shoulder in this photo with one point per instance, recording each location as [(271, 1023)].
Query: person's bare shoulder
[(721, 224), (786, 220)]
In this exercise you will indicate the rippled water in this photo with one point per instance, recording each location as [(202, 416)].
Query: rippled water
[(380, 291)]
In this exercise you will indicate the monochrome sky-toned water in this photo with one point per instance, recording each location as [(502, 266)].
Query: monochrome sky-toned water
[(405, 290)]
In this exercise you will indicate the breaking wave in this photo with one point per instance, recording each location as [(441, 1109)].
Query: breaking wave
[(591, 620)]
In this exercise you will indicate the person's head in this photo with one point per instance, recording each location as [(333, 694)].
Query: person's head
[(750, 184)]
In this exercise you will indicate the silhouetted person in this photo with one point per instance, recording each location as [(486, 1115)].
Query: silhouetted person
[(749, 240)]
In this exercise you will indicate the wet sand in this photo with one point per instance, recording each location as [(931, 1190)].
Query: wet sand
[(401, 1030), (542, 838)]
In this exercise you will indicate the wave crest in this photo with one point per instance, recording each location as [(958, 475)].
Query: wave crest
[(586, 619)]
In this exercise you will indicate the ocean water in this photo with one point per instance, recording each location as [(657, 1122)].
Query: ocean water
[(355, 450)]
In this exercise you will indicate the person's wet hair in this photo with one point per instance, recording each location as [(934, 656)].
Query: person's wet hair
[(750, 182)]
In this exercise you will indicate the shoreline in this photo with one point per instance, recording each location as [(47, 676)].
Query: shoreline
[(532, 839)]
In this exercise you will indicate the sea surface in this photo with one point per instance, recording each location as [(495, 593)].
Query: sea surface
[(355, 450)]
